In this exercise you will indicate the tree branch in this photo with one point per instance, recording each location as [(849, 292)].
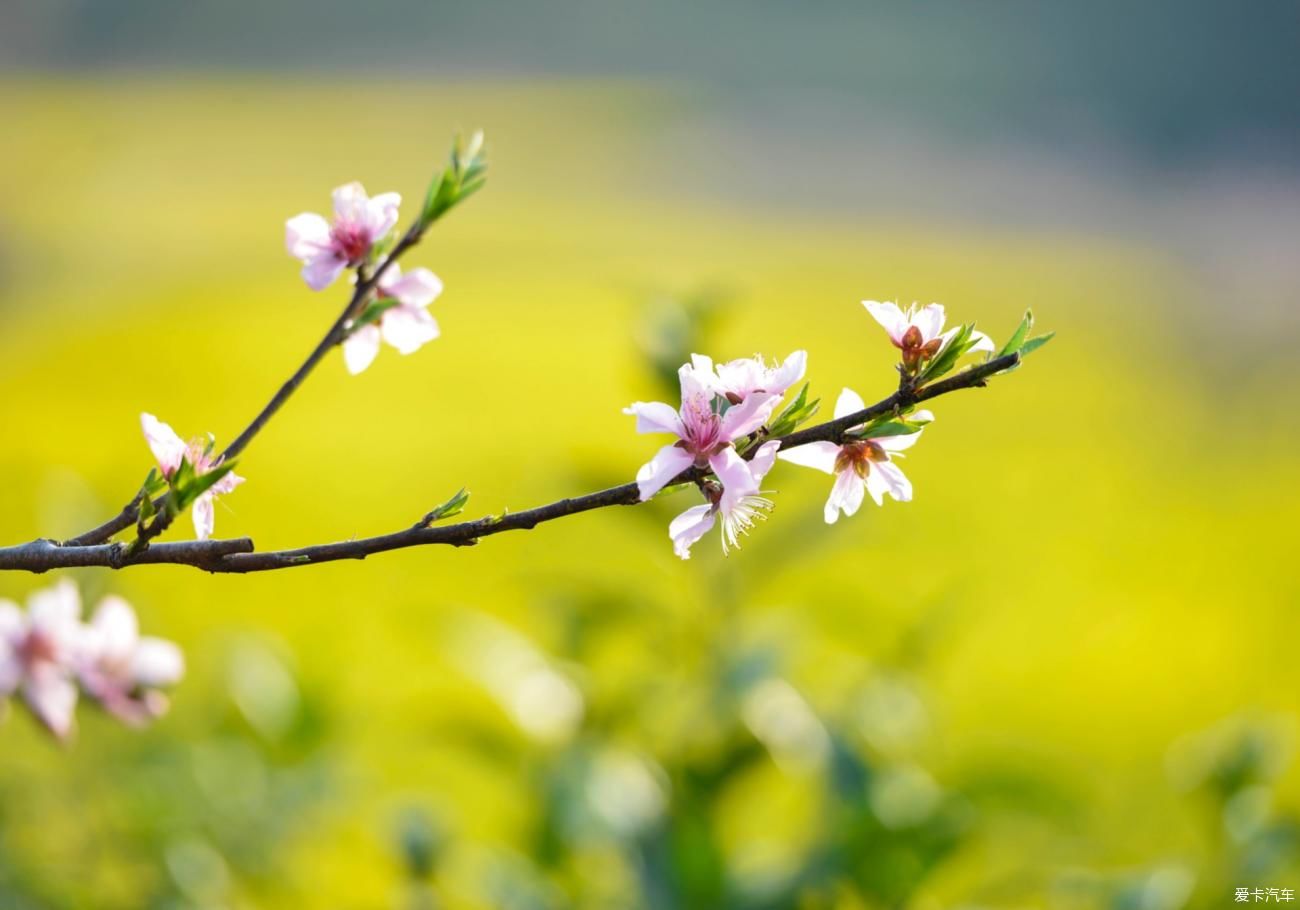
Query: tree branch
[(239, 556)]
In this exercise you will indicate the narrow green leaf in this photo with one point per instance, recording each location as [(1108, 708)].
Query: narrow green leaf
[(1033, 344), (1017, 338)]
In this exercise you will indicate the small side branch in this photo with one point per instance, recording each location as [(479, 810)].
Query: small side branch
[(239, 556)]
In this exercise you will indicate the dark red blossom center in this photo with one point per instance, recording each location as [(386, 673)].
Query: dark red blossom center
[(351, 241), (859, 456)]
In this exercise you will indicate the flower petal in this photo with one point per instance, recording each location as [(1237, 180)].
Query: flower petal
[(890, 317), (982, 342), (115, 629), (55, 610), (895, 481), (204, 516), (746, 417), (416, 288), (763, 460), (846, 495), (655, 417), (930, 321), (849, 402), (350, 203), (53, 699), (689, 527), (168, 449), (381, 214), (790, 372), (408, 328), (817, 455), (306, 235), (157, 663), (360, 348), (734, 472), (658, 471), (321, 270)]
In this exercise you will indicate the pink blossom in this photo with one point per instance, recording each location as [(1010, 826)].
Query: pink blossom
[(124, 671), (406, 325), (169, 450), (738, 379), (740, 504), (861, 466), (917, 333), (704, 427), (327, 249), (38, 654)]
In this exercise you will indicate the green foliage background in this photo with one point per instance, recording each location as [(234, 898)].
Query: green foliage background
[(1098, 564)]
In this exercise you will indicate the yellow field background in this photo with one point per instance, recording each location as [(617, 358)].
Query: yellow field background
[(1099, 561)]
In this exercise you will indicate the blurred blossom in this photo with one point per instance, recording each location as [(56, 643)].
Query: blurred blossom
[(264, 690), (892, 717), (124, 670), (541, 700), (39, 652), (626, 792), (904, 797), (783, 721), (198, 870)]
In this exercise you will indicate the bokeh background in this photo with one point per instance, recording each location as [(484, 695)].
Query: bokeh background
[(1064, 676)]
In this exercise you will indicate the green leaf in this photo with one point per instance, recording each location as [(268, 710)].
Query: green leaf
[(453, 506), (795, 413), (463, 177), (1033, 344), (1017, 338), (187, 487), (889, 428), (948, 356), (373, 311)]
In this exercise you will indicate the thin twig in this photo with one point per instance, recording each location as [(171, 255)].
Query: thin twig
[(238, 556), (336, 335)]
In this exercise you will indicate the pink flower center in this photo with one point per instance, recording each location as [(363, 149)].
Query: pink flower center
[(703, 431), (351, 242), (37, 647)]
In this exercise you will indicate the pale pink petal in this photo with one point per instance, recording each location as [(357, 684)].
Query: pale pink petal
[(849, 402), (116, 630), (11, 671), (381, 214), (361, 348), (890, 317), (982, 342), (306, 235), (790, 372), (12, 622), (846, 495), (55, 610), (168, 448), (817, 455), (226, 484), (655, 417), (350, 204), (737, 479), (930, 321), (204, 516), (157, 663), (877, 486), (320, 271), (698, 381), (408, 328), (689, 527), (894, 480), (53, 699), (658, 471), (746, 417), (416, 288), (763, 460)]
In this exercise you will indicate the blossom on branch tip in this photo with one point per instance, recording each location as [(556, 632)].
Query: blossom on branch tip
[(325, 248), (38, 654), (705, 427), (169, 450), (123, 670), (859, 466), (405, 323), (919, 333), (740, 504)]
